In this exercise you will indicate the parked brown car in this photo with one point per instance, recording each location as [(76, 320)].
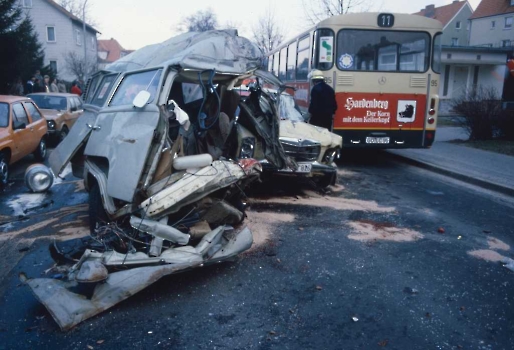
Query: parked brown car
[(22, 132), (60, 110)]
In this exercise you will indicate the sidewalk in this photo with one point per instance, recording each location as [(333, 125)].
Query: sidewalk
[(486, 169)]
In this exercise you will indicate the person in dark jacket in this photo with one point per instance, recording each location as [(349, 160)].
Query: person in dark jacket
[(323, 103)]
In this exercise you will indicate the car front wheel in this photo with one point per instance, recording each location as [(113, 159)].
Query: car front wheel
[(41, 151), (63, 133), (4, 170)]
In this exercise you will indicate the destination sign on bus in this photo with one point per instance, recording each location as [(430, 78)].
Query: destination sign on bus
[(326, 49)]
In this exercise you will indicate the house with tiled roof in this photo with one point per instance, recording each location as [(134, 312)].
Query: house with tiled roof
[(492, 27), (110, 51), (464, 66), (62, 34), (492, 24), (454, 18)]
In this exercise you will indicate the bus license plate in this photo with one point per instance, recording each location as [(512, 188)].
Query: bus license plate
[(302, 168), (377, 139)]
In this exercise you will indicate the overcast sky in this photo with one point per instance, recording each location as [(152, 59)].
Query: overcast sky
[(136, 23)]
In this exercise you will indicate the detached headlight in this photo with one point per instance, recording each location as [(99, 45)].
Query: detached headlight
[(247, 147), (38, 178), (50, 124)]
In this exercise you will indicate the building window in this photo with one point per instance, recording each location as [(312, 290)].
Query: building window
[(506, 43), (93, 43), (78, 37), (53, 66), (50, 34), (27, 3), (457, 25), (508, 22), (468, 25), (455, 41), (493, 24), (511, 2)]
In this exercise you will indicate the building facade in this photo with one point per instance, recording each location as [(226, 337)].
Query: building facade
[(467, 60), (62, 37), (110, 51)]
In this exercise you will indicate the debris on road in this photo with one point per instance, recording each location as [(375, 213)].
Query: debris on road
[(441, 230), (509, 263)]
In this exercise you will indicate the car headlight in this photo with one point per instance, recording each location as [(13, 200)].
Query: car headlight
[(50, 124), (247, 147), (331, 155)]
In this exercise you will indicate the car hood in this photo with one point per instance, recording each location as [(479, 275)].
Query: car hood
[(51, 113), (302, 130)]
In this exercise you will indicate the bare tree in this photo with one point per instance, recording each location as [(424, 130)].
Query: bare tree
[(267, 34), (75, 65), (318, 10), (75, 7), (199, 21)]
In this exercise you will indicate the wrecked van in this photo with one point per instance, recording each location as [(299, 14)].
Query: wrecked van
[(165, 148)]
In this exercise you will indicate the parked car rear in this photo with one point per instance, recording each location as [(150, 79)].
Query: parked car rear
[(61, 110), (22, 132)]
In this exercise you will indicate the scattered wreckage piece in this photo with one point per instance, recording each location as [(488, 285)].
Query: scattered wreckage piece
[(69, 308)]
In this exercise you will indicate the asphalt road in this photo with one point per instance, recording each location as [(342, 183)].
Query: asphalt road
[(361, 267)]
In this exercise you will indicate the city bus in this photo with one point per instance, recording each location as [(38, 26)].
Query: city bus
[(384, 69)]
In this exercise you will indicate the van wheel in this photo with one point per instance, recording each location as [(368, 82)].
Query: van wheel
[(41, 151), (4, 170), (64, 132), (97, 213)]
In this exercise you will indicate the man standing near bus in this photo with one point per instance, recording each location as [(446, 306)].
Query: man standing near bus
[(323, 103)]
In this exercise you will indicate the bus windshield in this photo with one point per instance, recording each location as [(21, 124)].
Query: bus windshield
[(380, 50)]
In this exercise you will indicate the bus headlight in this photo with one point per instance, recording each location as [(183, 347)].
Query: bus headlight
[(247, 147)]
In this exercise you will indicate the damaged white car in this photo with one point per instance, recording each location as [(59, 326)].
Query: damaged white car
[(166, 148)]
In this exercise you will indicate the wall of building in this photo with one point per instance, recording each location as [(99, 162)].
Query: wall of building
[(462, 34), (44, 15), (482, 32)]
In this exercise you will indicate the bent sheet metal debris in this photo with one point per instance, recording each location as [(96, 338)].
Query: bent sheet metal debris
[(69, 308)]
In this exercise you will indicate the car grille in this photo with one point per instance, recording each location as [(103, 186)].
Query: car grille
[(301, 150)]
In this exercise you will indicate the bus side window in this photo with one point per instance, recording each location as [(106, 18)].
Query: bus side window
[(302, 67), (283, 64), (291, 61), (275, 64)]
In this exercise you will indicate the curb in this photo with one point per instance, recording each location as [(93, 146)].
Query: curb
[(459, 176)]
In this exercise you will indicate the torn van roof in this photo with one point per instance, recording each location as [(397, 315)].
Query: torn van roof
[(221, 50)]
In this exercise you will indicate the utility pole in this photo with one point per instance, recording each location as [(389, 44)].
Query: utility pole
[(84, 37)]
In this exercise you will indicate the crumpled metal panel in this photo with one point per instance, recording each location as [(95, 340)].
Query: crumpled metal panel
[(66, 149), (192, 187), (305, 131), (124, 138), (221, 50), (69, 309)]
